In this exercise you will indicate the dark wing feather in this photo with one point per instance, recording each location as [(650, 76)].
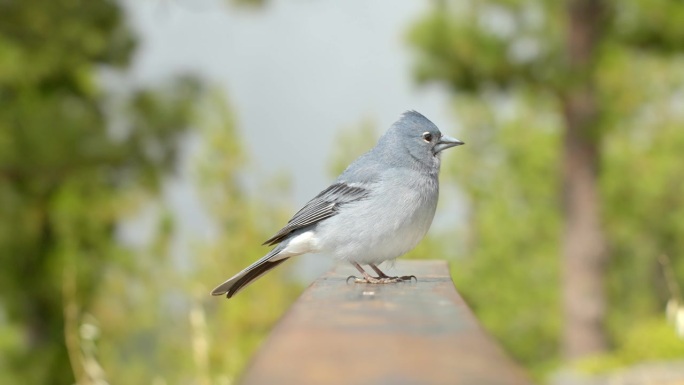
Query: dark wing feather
[(324, 205)]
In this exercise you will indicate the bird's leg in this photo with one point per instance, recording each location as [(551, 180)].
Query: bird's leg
[(387, 279), (377, 270), (367, 278), (382, 277)]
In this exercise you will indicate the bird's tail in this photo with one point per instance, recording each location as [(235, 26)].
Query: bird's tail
[(249, 274)]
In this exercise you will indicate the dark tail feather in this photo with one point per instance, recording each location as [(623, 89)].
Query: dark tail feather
[(245, 277)]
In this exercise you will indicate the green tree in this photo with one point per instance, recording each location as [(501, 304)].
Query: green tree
[(177, 332), (553, 97), (69, 172)]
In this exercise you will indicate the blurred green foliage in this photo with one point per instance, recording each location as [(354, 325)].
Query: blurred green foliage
[(180, 334), (649, 340), (510, 272), (76, 305), (504, 62)]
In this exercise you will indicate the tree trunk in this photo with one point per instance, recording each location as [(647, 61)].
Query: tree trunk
[(584, 245)]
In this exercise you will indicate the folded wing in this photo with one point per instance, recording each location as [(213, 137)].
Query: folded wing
[(324, 205)]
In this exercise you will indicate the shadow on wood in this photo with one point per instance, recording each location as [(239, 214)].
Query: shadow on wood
[(404, 333)]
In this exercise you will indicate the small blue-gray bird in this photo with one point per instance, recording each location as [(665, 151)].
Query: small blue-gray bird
[(378, 209)]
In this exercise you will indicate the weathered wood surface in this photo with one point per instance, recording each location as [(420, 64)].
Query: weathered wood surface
[(405, 333)]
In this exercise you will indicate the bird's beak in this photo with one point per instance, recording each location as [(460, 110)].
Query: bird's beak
[(446, 142)]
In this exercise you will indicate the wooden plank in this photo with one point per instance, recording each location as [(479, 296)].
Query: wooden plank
[(422, 332)]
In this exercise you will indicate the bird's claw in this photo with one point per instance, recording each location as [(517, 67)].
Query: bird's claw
[(408, 278), (381, 280), (403, 278)]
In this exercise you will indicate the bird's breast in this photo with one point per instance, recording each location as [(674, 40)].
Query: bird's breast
[(384, 226)]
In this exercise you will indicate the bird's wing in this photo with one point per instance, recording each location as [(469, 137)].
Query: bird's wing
[(324, 205)]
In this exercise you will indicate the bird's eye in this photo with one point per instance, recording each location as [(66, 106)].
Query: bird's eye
[(427, 137)]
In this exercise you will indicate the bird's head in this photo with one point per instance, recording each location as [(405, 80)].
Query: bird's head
[(420, 138)]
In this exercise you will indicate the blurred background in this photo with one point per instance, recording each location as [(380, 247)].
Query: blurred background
[(148, 147)]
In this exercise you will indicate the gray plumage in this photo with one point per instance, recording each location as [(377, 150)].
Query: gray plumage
[(378, 209)]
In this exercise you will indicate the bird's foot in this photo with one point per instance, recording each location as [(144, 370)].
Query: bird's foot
[(381, 280), (402, 278)]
